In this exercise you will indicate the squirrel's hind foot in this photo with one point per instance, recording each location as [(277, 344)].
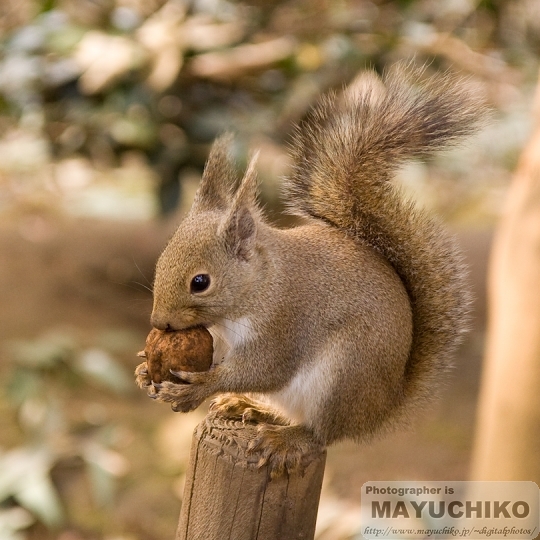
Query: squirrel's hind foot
[(240, 407), (285, 449)]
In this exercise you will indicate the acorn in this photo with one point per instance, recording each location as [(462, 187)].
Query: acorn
[(182, 350)]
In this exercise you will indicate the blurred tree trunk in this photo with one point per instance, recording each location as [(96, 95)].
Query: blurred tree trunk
[(507, 445)]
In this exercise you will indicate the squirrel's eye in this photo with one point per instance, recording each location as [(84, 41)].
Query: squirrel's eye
[(200, 283)]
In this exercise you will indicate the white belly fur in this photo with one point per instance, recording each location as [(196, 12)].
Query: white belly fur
[(228, 334), (301, 398)]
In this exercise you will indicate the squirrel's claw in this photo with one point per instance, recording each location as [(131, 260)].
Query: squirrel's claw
[(142, 379), (284, 449)]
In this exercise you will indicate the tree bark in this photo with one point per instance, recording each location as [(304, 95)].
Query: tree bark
[(226, 497), (507, 445)]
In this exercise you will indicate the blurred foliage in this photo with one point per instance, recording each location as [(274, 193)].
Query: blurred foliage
[(46, 374), (130, 93)]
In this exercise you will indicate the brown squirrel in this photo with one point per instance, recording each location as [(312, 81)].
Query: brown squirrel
[(341, 327)]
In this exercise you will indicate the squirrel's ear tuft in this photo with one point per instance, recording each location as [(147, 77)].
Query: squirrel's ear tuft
[(240, 227), (246, 194), (219, 178)]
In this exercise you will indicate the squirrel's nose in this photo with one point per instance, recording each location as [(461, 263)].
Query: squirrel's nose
[(161, 323)]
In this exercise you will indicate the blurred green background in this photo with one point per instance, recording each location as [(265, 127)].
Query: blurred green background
[(107, 112)]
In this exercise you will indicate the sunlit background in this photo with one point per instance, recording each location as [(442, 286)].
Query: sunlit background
[(107, 112)]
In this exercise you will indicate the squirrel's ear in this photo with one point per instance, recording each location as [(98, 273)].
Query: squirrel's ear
[(218, 179), (240, 226)]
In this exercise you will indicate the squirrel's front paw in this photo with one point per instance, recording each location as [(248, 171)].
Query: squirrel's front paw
[(142, 378), (285, 448), (186, 396)]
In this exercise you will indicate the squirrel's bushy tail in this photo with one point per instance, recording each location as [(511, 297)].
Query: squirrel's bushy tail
[(345, 155)]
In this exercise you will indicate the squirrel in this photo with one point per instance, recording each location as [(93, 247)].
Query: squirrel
[(341, 327)]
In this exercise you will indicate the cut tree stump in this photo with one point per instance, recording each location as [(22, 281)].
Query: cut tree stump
[(226, 497)]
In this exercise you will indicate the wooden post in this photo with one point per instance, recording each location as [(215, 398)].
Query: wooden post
[(226, 497), (507, 443)]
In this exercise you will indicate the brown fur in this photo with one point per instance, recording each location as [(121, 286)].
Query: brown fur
[(345, 154), (344, 324)]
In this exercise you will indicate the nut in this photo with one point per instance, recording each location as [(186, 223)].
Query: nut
[(183, 350)]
